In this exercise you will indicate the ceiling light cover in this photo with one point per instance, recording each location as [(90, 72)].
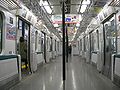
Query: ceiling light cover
[(83, 8), (86, 2), (47, 7)]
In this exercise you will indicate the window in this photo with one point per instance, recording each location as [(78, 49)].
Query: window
[(1, 28), (92, 41), (113, 36), (51, 44), (97, 39), (55, 45), (48, 43), (42, 42), (84, 44), (58, 46), (36, 40), (81, 44)]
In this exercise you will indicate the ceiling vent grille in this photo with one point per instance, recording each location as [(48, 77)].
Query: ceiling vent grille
[(115, 3), (9, 4)]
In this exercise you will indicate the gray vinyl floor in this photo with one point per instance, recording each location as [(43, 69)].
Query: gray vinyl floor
[(80, 76)]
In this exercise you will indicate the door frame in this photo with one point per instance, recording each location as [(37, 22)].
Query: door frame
[(113, 15), (28, 43)]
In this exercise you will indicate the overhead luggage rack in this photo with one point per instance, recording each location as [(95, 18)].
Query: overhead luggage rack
[(10, 4), (115, 3)]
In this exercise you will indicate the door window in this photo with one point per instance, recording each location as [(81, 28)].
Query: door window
[(97, 39), (36, 40), (1, 30)]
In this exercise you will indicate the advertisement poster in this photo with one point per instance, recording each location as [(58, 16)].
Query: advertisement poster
[(69, 18), (11, 32)]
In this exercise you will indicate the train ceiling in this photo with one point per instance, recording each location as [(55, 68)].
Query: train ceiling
[(89, 14), (72, 7)]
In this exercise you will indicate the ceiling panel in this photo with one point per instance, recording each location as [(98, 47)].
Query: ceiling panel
[(75, 1), (74, 9), (52, 2), (56, 6), (57, 10)]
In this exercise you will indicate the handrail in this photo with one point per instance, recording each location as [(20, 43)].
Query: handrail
[(39, 52), (4, 57), (117, 55), (95, 52)]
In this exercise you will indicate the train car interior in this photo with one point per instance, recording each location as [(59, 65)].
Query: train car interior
[(59, 44)]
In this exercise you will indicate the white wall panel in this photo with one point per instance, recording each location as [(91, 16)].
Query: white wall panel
[(8, 68)]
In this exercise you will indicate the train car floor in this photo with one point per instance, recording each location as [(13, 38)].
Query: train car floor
[(25, 73), (80, 76)]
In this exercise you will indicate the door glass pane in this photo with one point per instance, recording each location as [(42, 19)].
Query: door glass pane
[(84, 44), (1, 27), (80, 44), (42, 42), (113, 36), (118, 38), (26, 32), (36, 40), (92, 42), (51, 44), (97, 39)]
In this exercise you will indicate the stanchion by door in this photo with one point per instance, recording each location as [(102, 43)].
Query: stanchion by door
[(64, 50)]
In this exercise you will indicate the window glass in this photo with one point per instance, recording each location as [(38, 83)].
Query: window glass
[(26, 31), (42, 42), (58, 46), (92, 42), (36, 40), (47, 43), (1, 27), (84, 44), (20, 25), (113, 36), (51, 44), (55, 45), (81, 44), (97, 39)]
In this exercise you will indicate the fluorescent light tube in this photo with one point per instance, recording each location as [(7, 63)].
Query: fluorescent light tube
[(47, 7), (56, 25), (77, 25), (83, 8), (86, 2)]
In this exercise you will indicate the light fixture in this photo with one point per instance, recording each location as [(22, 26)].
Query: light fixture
[(87, 2), (47, 7), (41, 2), (80, 17), (52, 7), (56, 25), (83, 8), (78, 25)]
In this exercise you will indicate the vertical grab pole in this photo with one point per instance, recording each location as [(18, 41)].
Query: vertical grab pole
[(63, 28), (66, 45)]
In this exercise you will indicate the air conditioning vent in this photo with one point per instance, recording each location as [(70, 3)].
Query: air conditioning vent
[(115, 3)]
